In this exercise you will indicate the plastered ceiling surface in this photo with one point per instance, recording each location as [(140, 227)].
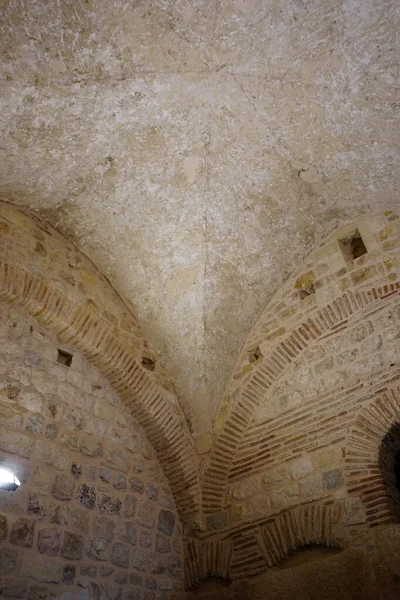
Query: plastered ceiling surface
[(197, 151)]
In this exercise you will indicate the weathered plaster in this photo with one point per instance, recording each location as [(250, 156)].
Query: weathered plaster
[(197, 152)]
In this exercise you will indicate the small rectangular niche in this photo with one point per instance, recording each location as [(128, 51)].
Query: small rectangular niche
[(352, 246), (64, 358)]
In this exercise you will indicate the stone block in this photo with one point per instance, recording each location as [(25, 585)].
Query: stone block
[(166, 521), (70, 441), (146, 513), (333, 479), (129, 506), (49, 541), (91, 447), (63, 487), (8, 561), (68, 573), (118, 460), (112, 590), (276, 477), (136, 485), (89, 570), (120, 555), (162, 543), (105, 474), (354, 512), (312, 487), (128, 533), (106, 570), (60, 515), (16, 443), (22, 532), (136, 579), (72, 547), (34, 424), (52, 454), (76, 470), (98, 549), (110, 505), (145, 539), (31, 401), (165, 584), (38, 593), (119, 482), (301, 467), (79, 520), (150, 583), (139, 559), (14, 588), (103, 527), (3, 528), (40, 569), (37, 504), (284, 497), (51, 431), (174, 566), (246, 488), (86, 495)]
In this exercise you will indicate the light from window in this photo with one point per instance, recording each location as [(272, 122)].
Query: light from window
[(8, 481)]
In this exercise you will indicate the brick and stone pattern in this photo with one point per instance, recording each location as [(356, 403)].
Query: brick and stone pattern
[(94, 516), (53, 281)]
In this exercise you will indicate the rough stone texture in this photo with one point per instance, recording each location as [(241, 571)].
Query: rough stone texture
[(22, 532), (235, 129), (49, 541), (75, 510)]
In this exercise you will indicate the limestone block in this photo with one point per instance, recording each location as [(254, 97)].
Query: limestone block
[(174, 566), (97, 549), (91, 447), (8, 560), (14, 588), (312, 487), (119, 482), (146, 513), (214, 522), (22, 532), (112, 590), (72, 547), (40, 569), (118, 460), (301, 467), (354, 512), (49, 541), (63, 487), (284, 497), (120, 555), (68, 573), (103, 527), (328, 457), (145, 540), (3, 528), (276, 477), (333, 479), (110, 505), (16, 443), (247, 487), (86, 495), (50, 453), (129, 506), (162, 543), (136, 485)]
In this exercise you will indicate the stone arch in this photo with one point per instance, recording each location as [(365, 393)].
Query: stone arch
[(331, 293), (51, 280), (368, 462), (299, 527)]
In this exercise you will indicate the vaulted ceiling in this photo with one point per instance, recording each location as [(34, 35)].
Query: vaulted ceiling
[(197, 150)]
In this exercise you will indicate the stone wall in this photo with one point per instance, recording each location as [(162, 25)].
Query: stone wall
[(302, 453), (94, 516)]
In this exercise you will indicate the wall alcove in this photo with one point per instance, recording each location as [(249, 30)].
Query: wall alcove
[(389, 464)]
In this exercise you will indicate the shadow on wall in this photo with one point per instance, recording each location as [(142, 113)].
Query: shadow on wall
[(389, 464)]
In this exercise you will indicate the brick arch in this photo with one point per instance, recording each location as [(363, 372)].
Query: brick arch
[(271, 349), (251, 549), (78, 304), (369, 462)]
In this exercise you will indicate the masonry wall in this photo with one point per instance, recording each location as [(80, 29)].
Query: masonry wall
[(94, 516)]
